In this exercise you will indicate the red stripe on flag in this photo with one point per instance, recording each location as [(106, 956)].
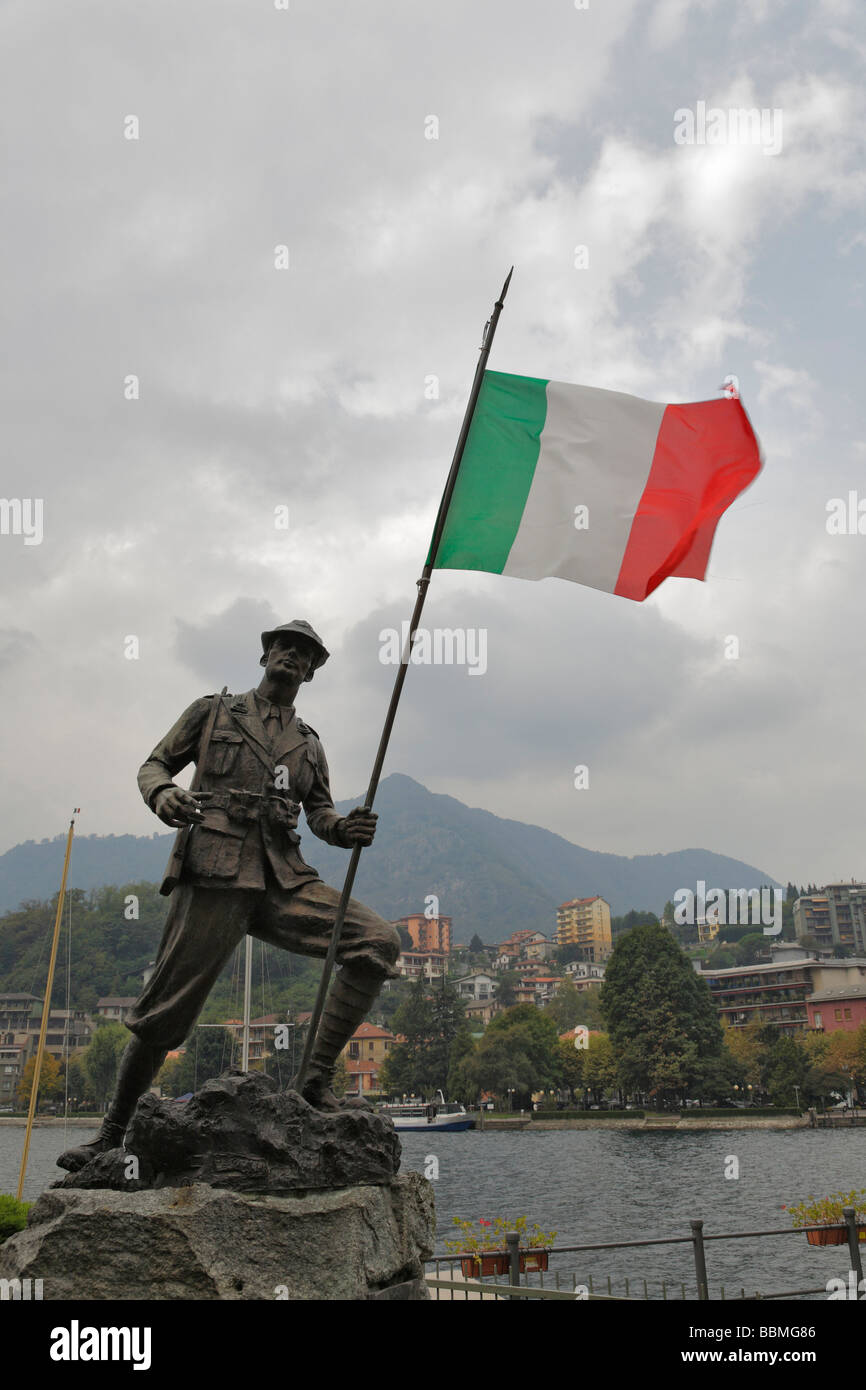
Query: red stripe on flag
[(706, 454)]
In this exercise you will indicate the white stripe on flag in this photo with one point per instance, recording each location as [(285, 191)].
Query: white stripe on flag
[(596, 451)]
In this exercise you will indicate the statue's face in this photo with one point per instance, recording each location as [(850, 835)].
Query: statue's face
[(291, 657)]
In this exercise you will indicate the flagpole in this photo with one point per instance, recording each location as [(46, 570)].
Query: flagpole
[(422, 585)]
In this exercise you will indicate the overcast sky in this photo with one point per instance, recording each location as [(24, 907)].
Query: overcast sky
[(261, 387)]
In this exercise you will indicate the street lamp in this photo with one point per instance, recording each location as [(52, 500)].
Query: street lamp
[(510, 1097), (797, 1097)]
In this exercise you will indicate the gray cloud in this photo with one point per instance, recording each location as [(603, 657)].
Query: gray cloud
[(305, 388)]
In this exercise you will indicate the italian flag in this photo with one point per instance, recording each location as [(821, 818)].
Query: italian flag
[(594, 486)]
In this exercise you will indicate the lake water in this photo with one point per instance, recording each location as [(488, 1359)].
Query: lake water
[(592, 1186)]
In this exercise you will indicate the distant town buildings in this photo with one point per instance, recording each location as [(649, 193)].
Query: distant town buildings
[(424, 965), (539, 948), (585, 923), (582, 975), (478, 986), (836, 916), (708, 929), (797, 989), (363, 1055), (20, 1021), (830, 1011), (431, 947), (428, 933), (479, 1012), (115, 1007), (514, 949)]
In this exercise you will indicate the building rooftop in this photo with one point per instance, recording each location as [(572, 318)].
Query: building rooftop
[(764, 965), (370, 1030), (831, 996)]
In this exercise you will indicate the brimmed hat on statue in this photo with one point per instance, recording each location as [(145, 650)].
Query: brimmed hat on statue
[(303, 629)]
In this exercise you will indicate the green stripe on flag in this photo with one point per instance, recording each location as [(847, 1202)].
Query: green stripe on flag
[(495, 473)]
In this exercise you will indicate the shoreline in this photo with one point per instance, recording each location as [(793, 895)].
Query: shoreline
[(690, 1125), (53, 1121), (502, 1125)]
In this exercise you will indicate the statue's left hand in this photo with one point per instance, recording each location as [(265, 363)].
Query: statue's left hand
[(359, 827)]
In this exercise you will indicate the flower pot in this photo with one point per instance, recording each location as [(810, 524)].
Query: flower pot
[(834, 1235), (488, 1262), (499, 1262)]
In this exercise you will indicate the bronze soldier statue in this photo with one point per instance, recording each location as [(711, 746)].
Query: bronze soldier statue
[(241, 871)]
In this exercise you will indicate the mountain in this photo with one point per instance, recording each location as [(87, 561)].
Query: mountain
[(492, 875)]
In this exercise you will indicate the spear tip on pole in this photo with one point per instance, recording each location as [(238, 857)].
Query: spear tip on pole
[(505, 286)]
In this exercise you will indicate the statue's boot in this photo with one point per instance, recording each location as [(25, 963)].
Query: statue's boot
[(138, 1066), (351, 997)]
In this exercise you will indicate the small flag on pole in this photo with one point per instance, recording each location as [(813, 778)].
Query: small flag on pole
[(594, 486)]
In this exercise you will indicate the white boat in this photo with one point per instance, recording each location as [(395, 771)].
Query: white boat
[(428, 1115)]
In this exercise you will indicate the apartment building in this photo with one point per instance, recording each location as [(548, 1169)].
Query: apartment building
[(424, 965), (795, 990), (831, 1011), (67, 1030), (428, 934), (834, 917), (585, 923), (583, 975), (12, 1063)]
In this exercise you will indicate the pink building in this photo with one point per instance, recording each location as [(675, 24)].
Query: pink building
[(831, 1010)]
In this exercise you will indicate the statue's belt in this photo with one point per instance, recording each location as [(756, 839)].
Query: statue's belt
[(253, 806)]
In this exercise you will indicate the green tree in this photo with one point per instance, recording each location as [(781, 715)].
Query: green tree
[(600, 1070), (750, 946), (209, 1052), (50, 1080), (506, 987), (637, 917), (429, 1025), (566, 1008), (518, 1052), (786, 1065), (571, 1066), (476, 945), (101, 1058), (747, 1050), (77, 1083), (591, 1008), (660, 1015), (462, 1085)]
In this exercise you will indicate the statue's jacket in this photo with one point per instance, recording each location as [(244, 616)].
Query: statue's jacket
[(258, 781)]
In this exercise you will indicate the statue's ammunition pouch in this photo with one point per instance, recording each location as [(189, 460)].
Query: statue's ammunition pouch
[(245, 807)]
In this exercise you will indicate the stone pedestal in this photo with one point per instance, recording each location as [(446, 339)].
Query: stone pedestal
[(241, 1131), (202, 1242)]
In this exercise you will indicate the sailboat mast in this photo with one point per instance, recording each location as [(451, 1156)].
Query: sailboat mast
[(248, 989), (46, 1007)]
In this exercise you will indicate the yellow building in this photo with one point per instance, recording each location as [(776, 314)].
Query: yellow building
[(585, 923), (364, 1054)]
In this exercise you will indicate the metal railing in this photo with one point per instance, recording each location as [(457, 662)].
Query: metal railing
[(484, 1287)]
